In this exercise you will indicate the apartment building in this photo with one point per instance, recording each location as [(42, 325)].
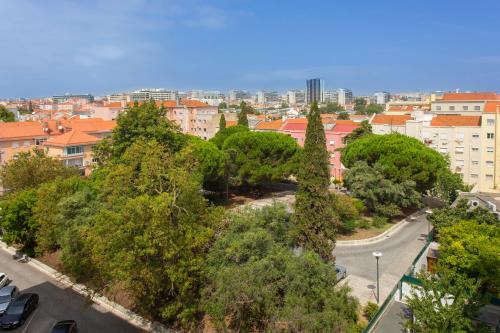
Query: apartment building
[(17, 137), (381, 97), (345, 96), (463, 103)]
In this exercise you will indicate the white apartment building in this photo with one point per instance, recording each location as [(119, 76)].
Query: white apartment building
[(296, 97), (345, 96), (330, 96), (156, 94), (381, 97)]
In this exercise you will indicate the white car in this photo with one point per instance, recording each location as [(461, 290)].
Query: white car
[(4, 279)]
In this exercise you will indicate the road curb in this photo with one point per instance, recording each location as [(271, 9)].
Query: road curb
[(118, 310), (386, 234)]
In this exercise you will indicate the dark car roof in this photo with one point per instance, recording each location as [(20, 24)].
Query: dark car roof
[(7, 290), (64, 323)]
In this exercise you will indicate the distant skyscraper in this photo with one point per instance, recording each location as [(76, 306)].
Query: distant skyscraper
[(345, 96), (314, 91), (330, 96), (381, 97), (296, 97)]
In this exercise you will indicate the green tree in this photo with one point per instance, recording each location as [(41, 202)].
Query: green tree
[(261, 157), (364, 129), (30, 169), (401, 158), (242, 115), (145, 122), (444, 303), (332, 107), (6, 115), (30, 107), (221, 136), (314, 217), (222, 122), (381, 195), (374, 109), (153, 232), (447, 184), (256, 283), (359, 105), (343, 116), (17, 221), (222, 106), (472, 250)]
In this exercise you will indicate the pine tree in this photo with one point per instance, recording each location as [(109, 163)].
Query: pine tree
[(222, 123), (314, 216), (242, 116)]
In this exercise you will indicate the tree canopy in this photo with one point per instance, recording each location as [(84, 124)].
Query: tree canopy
[(401, 157), (222, 135), (6, 115), (257, 283), (332, 107), (364, 129), (222, 122)]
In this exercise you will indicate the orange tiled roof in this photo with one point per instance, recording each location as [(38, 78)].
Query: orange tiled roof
[(346, 122), (390, 119), (89, 124), (491, 106), (71, 138), (114, 105), (407, 108), (448, 121), (269, 125), (297, 121), (481, 96), (230, 123), (26, 129)]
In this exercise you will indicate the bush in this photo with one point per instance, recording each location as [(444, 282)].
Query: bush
[(369, 310), (364, 224), (379, 221), (347, 227)]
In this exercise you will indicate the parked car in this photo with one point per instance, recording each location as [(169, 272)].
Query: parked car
[(7, 294), (19, 310), (65, 326), (4, 280), (341, 272)]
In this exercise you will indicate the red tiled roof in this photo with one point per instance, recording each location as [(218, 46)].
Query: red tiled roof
[(390, 119), (71, 138), (491, 106), (89, 125), (27, 129), (269, 125), (404, 108), (114, 105), (340, 128), (481, 96), (449, 121), (230, 123), (294, 126)]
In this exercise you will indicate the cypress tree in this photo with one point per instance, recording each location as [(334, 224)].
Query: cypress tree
[(314, 218), (222, 122), (242, 116)]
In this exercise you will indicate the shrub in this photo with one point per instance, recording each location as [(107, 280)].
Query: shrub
[(364, 224), (348, 226), (379, 221), (369, 310)]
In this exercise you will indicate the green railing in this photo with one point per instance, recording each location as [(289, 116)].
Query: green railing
[(381, 310)]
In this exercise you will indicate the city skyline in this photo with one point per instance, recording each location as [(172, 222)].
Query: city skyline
[(112, 46)]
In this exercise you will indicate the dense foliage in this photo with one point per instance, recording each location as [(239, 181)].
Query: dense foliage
[(222, 122), (403, 158), (315, 219), (222, 135), (332, 107), (364, 129), (257, 283), (261, 157), (381, 195), (6, 115)]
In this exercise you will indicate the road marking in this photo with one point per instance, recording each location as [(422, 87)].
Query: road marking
[(33, 315)]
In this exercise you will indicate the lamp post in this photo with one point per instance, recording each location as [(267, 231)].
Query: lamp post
[(428, 212), (377, 256)]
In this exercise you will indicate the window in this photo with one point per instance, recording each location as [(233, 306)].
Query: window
[(490, 122), (15, 144), (332, 143), (460, 136), (489, 149), (460, 163), (459, 150), (443, 150), (473, 175), (477, 108), (490, 135), (74, 150), (452, 108), (475, 136), (438, 108), (74, 162), (38, 142), (489, 177), (27, 143), (475, 148), (489, 164), (475, 162), (465, 108), (443, 136)]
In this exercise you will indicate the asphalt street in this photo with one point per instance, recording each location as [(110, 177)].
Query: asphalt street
[(58, 303)]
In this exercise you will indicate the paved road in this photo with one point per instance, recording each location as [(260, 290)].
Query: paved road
[(58, 303), (399, 250)]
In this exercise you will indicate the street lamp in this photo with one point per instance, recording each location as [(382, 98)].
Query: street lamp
[(428, 212), (377, 256)]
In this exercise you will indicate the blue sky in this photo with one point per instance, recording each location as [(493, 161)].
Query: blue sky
[(58, 46)]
